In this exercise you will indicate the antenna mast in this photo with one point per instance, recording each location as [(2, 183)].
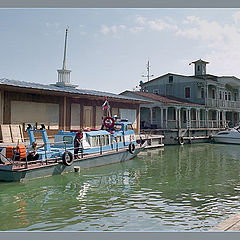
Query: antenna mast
[(148, 72)]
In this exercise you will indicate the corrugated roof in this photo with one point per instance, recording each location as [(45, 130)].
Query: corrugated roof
[(32, 85), (164, 98)]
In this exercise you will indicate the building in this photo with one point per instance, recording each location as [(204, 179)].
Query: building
[(216, 98), (61, 105), (167, 112)]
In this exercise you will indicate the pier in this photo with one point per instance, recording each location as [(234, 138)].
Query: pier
[(230, 224)]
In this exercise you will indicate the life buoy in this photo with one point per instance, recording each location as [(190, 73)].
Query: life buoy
[(180, 141), (108, 122), (131, 148), (67, 158)]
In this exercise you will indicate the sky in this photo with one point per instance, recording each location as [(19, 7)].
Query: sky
[(108, 49)]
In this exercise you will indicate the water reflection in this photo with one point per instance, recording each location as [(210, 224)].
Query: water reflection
[(180, 188)]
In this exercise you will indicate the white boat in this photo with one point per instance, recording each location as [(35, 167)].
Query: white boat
[(231, 136)]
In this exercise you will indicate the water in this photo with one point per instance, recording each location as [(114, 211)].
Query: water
[(181, 188)]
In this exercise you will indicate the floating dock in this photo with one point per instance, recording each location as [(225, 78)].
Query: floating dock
[(153, 141), (230, 224)]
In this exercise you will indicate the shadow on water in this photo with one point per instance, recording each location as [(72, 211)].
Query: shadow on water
[(180, 188)]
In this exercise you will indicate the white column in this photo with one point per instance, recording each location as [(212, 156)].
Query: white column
[(189, 117), (218, 118), (161, 117), (206, 118), (196, 116), (166, 111), (179, 118), (176, 117), (198, 125), (151, 115), (224, 118)]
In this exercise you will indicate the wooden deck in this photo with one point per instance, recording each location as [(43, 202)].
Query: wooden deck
[(230, 224)]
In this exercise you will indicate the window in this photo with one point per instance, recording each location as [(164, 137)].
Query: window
[(198, 68), (202, 92), (99, 140), (170, 79), (118, 127), (226, 96), (220, 94), (235, 97), (130, 127), (213, 93), (229, 96), (187, 92), (118, 139), (68, 139)]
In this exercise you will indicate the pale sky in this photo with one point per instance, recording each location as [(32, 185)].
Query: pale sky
[(108, 49)]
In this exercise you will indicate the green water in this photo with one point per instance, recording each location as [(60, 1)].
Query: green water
[(177, 188)]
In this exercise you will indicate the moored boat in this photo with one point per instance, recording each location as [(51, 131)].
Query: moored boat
[(231, 136), (115, 142)]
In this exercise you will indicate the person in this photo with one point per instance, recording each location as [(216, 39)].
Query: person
[(78, 142), (32, 152)]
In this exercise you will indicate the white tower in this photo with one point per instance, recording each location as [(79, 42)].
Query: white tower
[(200, 67), (64, 74)]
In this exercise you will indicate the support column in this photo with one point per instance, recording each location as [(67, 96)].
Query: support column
[(151, 115), (206, 118), (224, 118), (189, 117), (198, 125), (166, 111), (176, 117), (179, 118), (218, 118), (64, 113), (161, 120)]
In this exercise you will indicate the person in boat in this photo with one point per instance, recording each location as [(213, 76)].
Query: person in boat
[(32, 152), (78, 142)]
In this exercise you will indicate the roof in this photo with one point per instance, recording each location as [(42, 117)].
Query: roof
[(200, 60), (54, 88), (165, 98), (171, 74)]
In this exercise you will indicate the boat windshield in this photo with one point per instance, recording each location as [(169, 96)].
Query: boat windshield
[(118, 127), (68, 139)]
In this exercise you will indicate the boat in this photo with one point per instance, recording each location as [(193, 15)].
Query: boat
[(231, 136), (115, 142)]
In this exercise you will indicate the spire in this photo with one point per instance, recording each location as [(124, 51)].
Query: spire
[(64, 74), (65, 50)]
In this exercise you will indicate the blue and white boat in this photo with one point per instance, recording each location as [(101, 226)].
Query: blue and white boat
[(117, 143)]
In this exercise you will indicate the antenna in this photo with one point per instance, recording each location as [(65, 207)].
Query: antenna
[(148, 72)]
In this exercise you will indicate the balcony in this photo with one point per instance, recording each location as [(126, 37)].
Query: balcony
[(217, 103)]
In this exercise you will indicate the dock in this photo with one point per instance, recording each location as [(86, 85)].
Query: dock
[(153, 141), (230, 224)]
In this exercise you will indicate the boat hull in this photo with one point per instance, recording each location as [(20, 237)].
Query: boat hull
[(59, 168), (229, 140)]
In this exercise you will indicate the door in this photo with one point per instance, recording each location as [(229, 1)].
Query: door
[(87, 116)]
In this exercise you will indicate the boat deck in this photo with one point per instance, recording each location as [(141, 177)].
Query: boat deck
[(23, 165)]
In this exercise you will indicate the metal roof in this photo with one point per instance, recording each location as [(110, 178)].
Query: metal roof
[(164, 98), (32, 85)]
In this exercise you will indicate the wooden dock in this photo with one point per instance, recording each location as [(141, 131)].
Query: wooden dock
[(230, 224), (153, 141)]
